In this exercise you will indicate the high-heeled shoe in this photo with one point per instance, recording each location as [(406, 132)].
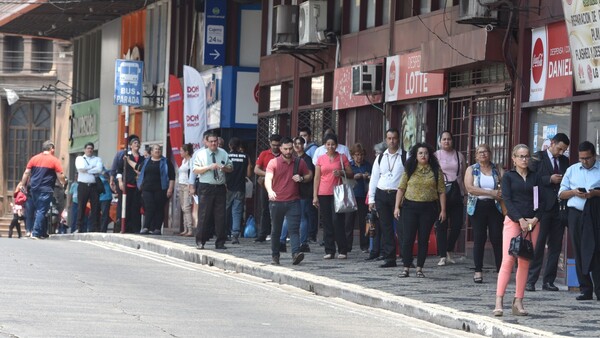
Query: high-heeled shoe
[(516, 311), (478, 279), (498, 312)]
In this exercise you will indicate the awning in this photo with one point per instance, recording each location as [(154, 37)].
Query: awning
[(464, 49), (63, 19)]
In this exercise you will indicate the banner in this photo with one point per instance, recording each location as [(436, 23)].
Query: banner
[(583, 24), (175, 117), (405, 80), (551, 69), (194, 106)]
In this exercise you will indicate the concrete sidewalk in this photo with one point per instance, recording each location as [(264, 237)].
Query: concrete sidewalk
[(447, 296)]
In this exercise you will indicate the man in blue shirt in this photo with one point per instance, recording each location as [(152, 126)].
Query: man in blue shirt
[(578, 185)]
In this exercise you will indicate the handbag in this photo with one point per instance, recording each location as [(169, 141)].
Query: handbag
[(521, 247), (343, 195), (453, 193), (100, 186)]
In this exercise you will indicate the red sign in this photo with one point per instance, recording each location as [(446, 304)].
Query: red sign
[(405, 80), (342, 90)]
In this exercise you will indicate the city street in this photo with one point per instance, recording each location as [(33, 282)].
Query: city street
[(98, 289)]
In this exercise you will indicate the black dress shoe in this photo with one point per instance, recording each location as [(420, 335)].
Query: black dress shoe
[(372, 257), (220, 247), (199, 245), (388, 264), (530, 287), (584, 297), (380, 258), (549, 287), (260, 239)]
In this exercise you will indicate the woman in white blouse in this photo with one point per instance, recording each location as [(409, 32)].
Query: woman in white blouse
[(183, 193)]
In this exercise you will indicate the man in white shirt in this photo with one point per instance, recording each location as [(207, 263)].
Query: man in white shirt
[(342, 149), (385, 178), (88, 168)]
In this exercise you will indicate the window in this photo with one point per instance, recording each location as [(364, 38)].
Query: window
[(317, 89), (41, 55), (13, 54), (354, 16), (275, 98), (371, 8)]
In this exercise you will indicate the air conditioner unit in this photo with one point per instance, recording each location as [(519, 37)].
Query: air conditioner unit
[(366, 79), (160, 95), (477, 12), (313, 18), (286, 26)]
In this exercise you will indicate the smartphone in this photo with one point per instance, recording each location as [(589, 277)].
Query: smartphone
[(582, 190)]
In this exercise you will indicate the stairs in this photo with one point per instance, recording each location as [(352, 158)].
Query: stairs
[(5, 223)]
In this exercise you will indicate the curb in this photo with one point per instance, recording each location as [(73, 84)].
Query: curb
[(322, 286)]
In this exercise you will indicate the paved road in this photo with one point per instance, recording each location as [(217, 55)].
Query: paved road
[(95, 289)]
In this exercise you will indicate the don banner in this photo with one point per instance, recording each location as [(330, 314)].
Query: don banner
[(194, 106)]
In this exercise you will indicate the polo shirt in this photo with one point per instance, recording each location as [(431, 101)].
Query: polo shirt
[(264, 158), (328, 180), (283, 185), (44, 168)]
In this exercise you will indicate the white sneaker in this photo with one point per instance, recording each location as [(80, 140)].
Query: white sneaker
[(268, 238), (449, 259), (442, 261)]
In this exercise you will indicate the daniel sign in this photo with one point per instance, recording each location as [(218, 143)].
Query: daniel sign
[(405, 80), (551, 68)]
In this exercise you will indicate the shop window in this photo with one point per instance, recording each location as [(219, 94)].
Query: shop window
[(371, 8), (41, 55), (354, 16), (317, 89), (13, 53), (546, 122), (275, 98), (495, 73)]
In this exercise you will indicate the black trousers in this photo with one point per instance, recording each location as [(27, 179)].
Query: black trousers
[(212, 200), (15, 223), (385, 202), (132, 210), (454, 221), (587, 284), (551, 232), (333, 226), (154, 208), (486, 218), (265, 218), (88, 192), (417, 218), (361, 213)]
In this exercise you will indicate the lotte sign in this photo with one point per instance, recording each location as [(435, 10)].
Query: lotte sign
[(405, 80)]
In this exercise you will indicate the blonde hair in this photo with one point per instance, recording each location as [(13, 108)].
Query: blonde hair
[(519, 147)]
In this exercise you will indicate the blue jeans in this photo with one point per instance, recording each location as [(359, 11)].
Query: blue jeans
[(29, 213), (41, 202), (304, 221), (105, 210), (235, 209), (73, 219), (279, 211)]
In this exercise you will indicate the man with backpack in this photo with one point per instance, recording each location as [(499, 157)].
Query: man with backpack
[(309, 145), (385, 178)]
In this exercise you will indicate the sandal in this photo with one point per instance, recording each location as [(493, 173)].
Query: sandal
[(404, 274), (498, 312), (478, 279), (420, 274)]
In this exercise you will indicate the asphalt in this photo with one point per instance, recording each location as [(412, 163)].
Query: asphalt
[(447, 296)]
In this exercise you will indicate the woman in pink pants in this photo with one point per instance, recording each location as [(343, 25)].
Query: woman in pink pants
[(518, 186)]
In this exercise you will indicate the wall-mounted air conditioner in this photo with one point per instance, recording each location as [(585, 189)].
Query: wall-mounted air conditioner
[(286, 26), (477, 12), (148, 95), (366, 79), (313, 18)]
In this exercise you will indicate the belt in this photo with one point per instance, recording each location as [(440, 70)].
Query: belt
[(211, 185), (88, 184), (388, 191)]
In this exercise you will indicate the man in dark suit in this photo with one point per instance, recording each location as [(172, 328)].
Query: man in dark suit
[(550, 165)]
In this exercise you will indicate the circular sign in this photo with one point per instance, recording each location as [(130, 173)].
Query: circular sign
[(392, 76), (537, 60), (256, 91)]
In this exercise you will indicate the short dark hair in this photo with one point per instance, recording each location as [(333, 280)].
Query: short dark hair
[(587, 146), (306, 130), (211, 134), (275, 137), (132, 138), (393, 130), (561, 137), (234, 143), (285, 140), (47, 145), (89, 144), (446, 131), (300, 139)]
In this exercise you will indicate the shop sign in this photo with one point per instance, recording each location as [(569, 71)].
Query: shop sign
[(583, 25), (405, 80), (551, 68), (83, 124)]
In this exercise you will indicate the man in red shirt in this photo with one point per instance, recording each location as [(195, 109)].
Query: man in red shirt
[(281, 182), (261, 165)]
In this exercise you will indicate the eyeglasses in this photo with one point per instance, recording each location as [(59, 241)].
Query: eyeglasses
[(483, 152), (523, 157)]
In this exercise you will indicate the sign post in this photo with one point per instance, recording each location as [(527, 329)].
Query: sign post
[(128, 92), (214, 32)]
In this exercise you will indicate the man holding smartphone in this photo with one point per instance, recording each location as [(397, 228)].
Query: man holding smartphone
[(583, 176), (550, 165)]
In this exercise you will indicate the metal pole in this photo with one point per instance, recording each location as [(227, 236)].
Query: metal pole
[(125, 165)]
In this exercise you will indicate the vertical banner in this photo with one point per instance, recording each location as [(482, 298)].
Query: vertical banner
[(175, 117), (194, 106)]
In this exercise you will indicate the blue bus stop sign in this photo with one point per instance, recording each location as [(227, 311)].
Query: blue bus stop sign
[(128, 82)]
